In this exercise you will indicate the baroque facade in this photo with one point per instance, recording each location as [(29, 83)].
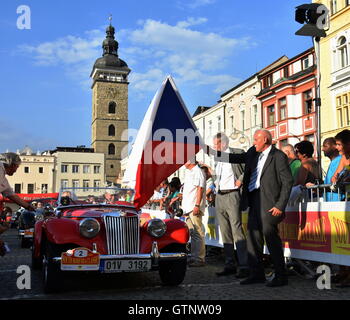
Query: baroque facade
[(335, 69)]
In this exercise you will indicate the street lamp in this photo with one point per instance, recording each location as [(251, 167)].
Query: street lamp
[(315, 19), (240, 135)]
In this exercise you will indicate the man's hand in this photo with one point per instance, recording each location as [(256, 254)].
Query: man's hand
[(196, 211), (238, 183), (275, 212)]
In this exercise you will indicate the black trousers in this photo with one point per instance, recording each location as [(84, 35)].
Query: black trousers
[(262, 225)]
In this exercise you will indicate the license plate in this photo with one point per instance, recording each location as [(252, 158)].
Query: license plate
[(28, 233), (80, 259), (126, 266)]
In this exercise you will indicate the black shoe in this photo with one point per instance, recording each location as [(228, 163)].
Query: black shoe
[(277, 282), (253, 279), (242, 273), (226, 272)]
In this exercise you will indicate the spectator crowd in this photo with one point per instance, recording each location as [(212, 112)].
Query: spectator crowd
[(263, 179)]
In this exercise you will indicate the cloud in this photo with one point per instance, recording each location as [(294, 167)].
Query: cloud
[(193, 57), (152, 50), (194, 4)]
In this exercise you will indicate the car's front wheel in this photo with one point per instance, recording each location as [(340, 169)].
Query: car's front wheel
[(172, 273), (52, 276)]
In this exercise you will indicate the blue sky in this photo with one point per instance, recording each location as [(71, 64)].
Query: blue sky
[(208, 46)]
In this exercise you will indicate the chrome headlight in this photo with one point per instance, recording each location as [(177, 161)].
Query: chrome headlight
[(89, 227), (156, 228)]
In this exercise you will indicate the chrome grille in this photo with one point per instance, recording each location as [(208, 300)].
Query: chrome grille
[(123, 234)]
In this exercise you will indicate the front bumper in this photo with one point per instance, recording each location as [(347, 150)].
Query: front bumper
[(154, 257)]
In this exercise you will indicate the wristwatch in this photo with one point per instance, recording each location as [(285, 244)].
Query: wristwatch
[(197, 205)]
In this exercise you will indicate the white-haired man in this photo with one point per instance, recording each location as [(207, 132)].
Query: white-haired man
[(267, 185)]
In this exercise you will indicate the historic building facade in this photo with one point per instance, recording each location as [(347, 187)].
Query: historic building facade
[(110, 106), (335, 69), (287, 100), (64, 167), (35, 174), (243, 114), (78, 167)]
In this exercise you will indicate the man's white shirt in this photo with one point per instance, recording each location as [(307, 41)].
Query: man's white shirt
[(260, 165), (193, 178)]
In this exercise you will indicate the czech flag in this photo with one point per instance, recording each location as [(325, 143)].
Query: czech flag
[(167, 139)]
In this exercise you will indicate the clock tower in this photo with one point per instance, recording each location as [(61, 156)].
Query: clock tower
[(110, 105)]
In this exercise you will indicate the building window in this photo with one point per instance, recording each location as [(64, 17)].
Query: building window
[(333, 6), (305, 63), (210, 128), (64, 168), (232, 124), (64, 184), (26, 169), (41, 170), (268, 81), (75, 168), (219, 123), (307, 102), (85, 185), (342, 105), (97, 169), (18, 188), (97, 184), (347, 2), (255, 115), (342, 49), (86, 168), (286, 72), (243, 120), (270, 116), (111, 148), (30, 188), (111, 130), (282, 109), (75, 183), (44, 188), (112, 107)]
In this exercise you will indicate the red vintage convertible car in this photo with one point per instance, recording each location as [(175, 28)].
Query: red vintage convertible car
[(104, 232)]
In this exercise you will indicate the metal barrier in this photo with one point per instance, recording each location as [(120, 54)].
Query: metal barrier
[(316, 192)]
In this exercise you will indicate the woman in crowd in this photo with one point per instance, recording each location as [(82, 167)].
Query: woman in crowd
[(309, 173), (343, 146)]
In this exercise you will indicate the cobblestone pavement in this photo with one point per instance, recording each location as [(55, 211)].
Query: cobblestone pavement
[(199, 284)]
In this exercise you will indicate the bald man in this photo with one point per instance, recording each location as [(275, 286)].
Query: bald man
[(267, 185), (294, 162)]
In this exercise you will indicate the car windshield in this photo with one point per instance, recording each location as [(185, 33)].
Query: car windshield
[(108, 195)]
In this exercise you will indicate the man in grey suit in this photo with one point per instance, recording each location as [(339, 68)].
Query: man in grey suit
[(267, 185), (229, 179)]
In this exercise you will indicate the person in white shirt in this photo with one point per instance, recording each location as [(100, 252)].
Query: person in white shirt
[(229, 179), (193, 205)]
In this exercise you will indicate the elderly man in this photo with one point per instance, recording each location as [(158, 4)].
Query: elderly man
[(294, 162), (193, 205), (267, 185), (229, 179), (9, 163)]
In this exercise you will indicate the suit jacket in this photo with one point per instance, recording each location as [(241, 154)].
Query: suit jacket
[(276, 178), (237, 168)]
